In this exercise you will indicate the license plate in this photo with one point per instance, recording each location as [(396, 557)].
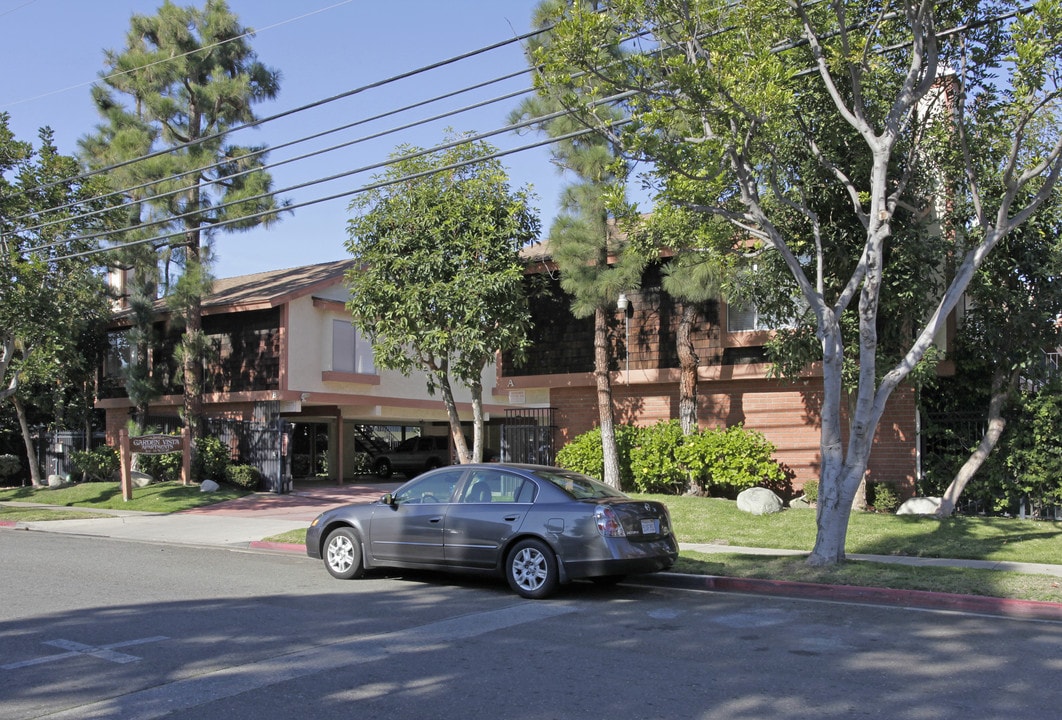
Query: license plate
[(651, 527)]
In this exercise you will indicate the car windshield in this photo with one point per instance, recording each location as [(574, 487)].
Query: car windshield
[(579, 486)]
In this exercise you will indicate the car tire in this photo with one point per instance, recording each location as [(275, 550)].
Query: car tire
[(342, 554), (383, 468), (531, 569)]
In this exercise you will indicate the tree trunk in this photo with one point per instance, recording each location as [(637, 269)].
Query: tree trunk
[(1001, 389), (442, 378), (834, 505), (688, 362), (604, 400), (477, 421), (31, 452)]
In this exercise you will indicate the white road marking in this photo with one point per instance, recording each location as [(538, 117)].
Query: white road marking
[(227, 682), (103, 652)]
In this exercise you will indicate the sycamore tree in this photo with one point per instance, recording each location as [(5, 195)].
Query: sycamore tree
[(186, 77), (745, 103), (49, 300), (1014, 303), (439, 282)]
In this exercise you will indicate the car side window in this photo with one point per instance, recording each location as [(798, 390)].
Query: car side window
[(435, 488), (497, 486)]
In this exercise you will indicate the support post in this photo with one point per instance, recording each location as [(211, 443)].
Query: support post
[(125, 453)]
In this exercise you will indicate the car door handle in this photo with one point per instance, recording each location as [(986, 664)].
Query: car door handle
[(510, 518), (436, 519)]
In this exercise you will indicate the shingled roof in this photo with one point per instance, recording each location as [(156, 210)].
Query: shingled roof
[(275, 287)]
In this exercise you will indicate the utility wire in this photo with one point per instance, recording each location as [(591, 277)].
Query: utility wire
[(266, 150), (464, 140), (308, 106), (365, 188)]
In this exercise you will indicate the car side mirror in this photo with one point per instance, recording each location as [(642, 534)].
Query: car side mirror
[(388, 499)]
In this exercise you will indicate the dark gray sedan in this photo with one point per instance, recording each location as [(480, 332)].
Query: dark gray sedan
[(539, 526)]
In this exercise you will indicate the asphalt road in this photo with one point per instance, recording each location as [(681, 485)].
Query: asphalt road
[(102, 628)]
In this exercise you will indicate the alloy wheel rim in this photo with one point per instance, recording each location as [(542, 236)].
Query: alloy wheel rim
[(341, 554), (530, 569)]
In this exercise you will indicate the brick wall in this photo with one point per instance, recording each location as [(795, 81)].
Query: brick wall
[(787, 415)]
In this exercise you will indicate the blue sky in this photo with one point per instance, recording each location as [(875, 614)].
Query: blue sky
[(53, 51)]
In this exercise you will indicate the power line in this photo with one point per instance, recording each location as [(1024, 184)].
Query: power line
[(308, 106), (287, 161), (365, 188)]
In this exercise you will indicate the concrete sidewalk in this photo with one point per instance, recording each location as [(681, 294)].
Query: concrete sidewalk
[(245, 522)]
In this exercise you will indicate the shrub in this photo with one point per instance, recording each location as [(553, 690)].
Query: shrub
[(243, 476), (99, 465), (584, 454), (811, 491), (160, 467), (211, 459), (362, 464), (884, 497), (654, 463), (728, 461), (10, 466)]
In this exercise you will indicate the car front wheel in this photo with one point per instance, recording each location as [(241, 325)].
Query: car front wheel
[(531, 569), (342, 555)]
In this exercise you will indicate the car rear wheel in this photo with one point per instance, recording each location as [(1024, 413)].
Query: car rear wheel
[(342, 555), (531, 569), (383, 468)]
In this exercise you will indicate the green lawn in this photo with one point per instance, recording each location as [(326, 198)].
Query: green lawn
[(711, 520), (161, 497)]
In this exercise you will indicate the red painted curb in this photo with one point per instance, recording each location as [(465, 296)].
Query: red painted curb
[(8, 523)]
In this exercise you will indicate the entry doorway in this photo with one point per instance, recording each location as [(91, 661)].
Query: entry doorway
[(309, 452)]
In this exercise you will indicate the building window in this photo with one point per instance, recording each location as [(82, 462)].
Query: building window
[(351, 353), (743, 318), (119, 355)]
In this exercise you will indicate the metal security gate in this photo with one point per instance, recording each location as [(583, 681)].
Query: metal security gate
[(528, 436), (266, 445)]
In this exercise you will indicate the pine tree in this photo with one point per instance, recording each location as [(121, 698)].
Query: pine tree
[(185, 79)]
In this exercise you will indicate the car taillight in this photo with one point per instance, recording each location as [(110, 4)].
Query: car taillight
[(607, 522)]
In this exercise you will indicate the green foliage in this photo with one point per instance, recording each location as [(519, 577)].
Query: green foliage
[(10, 465), (99, 465), (883, 497), (1024, 467), (811, 491), (660, 458), (1033, 451), (362, 464), (584, 454), (185, 78), (52, 300), (161, 467), (243, 476), (211, 459), (439, 283), (654, 463), (727, 461)]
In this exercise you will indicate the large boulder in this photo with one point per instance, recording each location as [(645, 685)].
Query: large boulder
[(140, 479), (759, 501), (57, 481), (920, 506), (209, 486)]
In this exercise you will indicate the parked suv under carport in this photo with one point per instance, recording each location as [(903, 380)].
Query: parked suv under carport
[(414, 455)]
